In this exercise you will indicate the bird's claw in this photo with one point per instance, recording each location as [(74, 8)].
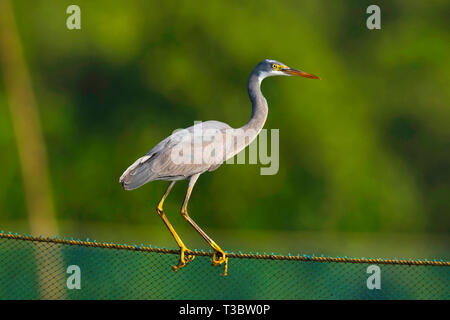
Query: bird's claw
[(186, 256), (217, 261)]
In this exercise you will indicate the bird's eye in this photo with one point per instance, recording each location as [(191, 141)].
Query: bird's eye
[(274, 66)]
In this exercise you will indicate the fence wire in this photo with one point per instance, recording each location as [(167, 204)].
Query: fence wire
[(37, 268)]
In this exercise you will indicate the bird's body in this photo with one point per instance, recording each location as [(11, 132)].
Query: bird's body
[(157, 164), (203, 147)]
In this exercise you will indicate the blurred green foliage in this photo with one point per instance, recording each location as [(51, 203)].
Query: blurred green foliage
[(364, 149)]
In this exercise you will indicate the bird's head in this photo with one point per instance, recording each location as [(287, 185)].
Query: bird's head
[(269, 68)]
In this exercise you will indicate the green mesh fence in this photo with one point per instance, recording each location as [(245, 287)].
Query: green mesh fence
[(37, 269)]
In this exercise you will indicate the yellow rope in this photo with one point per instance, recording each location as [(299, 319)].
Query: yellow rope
[(230, 255)]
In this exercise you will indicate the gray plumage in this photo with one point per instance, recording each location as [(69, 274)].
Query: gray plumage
[(158, 164)]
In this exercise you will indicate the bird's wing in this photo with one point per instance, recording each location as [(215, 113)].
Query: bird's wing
[(186, 151), (179, 156)]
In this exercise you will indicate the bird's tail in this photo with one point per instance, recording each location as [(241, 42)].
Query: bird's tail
[(137, 174)]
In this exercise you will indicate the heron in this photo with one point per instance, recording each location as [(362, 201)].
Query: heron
[(160, 164)]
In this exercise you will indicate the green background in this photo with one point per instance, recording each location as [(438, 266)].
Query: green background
[(124, 274), (364, 153)]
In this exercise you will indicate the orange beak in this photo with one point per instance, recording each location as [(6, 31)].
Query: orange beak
[(294, 72)]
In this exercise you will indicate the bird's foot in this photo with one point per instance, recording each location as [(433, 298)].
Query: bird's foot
[(186, 256), (219, 257)]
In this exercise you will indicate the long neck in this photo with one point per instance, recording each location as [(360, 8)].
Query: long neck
[(259, 107), (244, 135)]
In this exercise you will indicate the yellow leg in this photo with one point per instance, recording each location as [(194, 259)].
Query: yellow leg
[(186, 255), (219, 255)]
